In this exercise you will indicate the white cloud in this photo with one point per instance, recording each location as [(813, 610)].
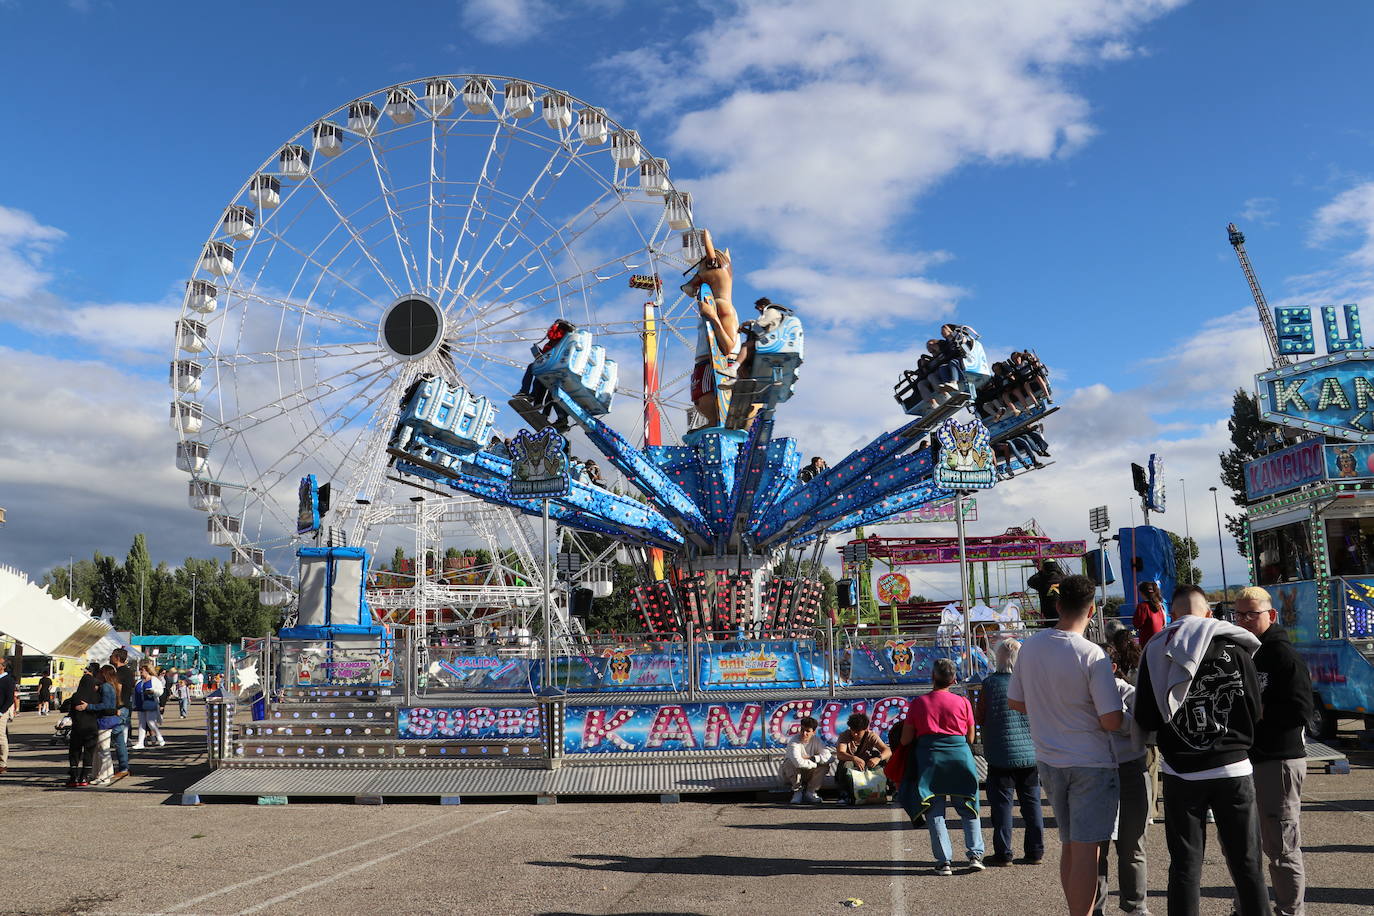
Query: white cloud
[(1350, 213), (24, 242), (1261, 210), (507, 21), (819, 132)]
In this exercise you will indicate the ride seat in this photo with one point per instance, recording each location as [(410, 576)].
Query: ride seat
[(449, 413), (581, 370)]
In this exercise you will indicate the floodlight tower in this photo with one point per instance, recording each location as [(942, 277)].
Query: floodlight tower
[(1237, 239)]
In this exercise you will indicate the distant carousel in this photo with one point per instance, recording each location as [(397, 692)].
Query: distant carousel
[(422, 255)]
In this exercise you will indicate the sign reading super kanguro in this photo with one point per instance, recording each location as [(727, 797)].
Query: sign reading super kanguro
[(966, 460), (1332, 395), (540, 467)]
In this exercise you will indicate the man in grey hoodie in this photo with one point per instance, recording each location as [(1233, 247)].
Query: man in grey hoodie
[(1198, 690)]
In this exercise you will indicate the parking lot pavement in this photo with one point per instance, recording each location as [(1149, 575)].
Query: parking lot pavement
[(133, 848)]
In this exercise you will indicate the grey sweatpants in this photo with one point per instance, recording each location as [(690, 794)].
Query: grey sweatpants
[(1278, 796)]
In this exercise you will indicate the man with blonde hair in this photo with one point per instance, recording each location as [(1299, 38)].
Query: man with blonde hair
[(1279, 754)]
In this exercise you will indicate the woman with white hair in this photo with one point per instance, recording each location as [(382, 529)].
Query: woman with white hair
[(1010, 754)]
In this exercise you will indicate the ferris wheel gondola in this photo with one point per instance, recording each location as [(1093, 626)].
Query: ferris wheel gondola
[(435, 227)]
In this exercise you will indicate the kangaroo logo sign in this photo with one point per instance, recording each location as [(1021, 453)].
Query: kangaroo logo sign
[(966, 459)]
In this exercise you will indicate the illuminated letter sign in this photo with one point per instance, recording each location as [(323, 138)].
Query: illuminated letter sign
[(1331, 395)]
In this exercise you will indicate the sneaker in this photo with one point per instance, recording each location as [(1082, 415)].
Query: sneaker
[(162, 743), (944, 870), (135, 747), (83, 784), (975, 861), (119, 775), (797, 797), (1033, 860), (813, 798)]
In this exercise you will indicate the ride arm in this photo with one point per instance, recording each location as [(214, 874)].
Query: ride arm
[(658, 488)]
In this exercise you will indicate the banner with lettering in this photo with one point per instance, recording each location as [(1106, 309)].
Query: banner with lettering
[(469, 722), (737, 725)]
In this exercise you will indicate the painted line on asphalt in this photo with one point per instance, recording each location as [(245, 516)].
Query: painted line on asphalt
[(368, 864), (899, 863), (1325, 800), (183, 905)]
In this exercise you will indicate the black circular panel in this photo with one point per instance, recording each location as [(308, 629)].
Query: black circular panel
[(411, 327)]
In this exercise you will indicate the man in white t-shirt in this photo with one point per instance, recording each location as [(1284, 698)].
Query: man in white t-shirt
[(1064, 685)]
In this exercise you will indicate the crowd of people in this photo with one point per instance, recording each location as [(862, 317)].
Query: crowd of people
[(1213, 710), (102, 708)]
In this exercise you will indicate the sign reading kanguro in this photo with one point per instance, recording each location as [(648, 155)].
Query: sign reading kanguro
[(1285, 469), (1331, 394)]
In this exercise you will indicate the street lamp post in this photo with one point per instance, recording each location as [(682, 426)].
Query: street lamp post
[(193, 605), (1187, 530), (1221, 550)]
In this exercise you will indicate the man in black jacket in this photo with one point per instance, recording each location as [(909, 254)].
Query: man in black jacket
[(1198, 690), (1279, 753), (119, 739), (1046, 584)]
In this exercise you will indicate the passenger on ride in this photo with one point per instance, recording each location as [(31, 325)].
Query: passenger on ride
[(812, 470), (593, 473), (528, 384), (741, 359)]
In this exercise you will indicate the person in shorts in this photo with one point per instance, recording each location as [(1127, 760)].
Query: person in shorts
[(1064, 685)]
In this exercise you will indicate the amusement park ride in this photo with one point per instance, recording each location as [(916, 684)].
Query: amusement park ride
[(406, 316)]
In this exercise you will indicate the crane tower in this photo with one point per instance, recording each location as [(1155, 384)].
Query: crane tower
[(1237, 240)]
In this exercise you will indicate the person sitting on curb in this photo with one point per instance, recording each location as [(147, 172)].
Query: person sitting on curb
[(858, 749), (805, 762)]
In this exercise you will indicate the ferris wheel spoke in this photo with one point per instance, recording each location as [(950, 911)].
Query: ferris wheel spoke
[(300, 353), (357, 239), (600, 273), (303, 308), (483, 177), (311, 260), (546, 254), (545, 170), (324, 387), (399, 229), (334, 422)]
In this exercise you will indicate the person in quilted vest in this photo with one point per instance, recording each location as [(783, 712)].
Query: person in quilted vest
[(1010, 754)]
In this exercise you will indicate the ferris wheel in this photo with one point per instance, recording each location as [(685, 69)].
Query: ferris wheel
[(434, 227)]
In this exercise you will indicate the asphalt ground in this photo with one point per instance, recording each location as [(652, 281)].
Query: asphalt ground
[(133, 848)]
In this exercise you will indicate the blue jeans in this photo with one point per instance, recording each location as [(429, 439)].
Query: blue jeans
[(184, 706), (1024, 784), (939, 836), (119, 740)]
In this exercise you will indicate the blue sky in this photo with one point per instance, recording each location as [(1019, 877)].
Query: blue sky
[(1058, 174)]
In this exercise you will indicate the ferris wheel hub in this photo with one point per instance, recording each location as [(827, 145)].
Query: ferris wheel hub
[(412, 327)]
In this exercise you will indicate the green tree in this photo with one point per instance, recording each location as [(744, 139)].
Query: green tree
[(398, 560), (1248, 435), (1185, 552), (137, 579)]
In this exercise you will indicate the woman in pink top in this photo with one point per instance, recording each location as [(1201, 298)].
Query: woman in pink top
[(941, 725)]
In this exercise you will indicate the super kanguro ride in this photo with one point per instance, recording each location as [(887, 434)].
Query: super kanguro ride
[(398, 316), (727, 503)]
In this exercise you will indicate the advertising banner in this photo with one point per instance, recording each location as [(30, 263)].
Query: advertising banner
[(474, 722), (1286, 469), (966, 458), (759, 663), (739, 725), (1011, 550), (932, 513), (893, 588)]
